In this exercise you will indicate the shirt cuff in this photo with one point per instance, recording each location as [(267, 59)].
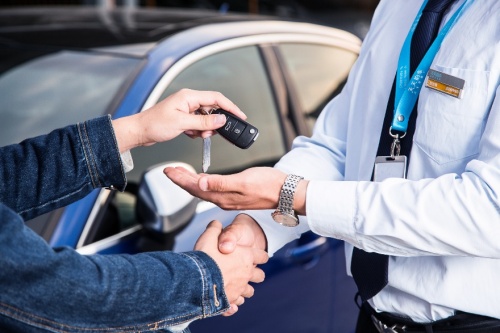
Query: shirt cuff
[(277, 235), (127, 161), (331, 209)]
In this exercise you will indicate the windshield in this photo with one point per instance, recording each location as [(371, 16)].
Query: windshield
[(56, 89)]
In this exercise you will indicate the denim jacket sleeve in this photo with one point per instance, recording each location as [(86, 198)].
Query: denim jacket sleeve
[(53, 170), (58, 290)]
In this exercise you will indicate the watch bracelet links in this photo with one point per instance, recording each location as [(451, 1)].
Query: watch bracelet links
[(285, 203)]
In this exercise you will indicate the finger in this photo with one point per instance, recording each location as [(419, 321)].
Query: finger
[(214, 227), (239, 301), (210, 235), (196, 134), (222, 183), (204, 109), (180, 172), (207, 134), (202, 122), (182, 177), (249, 291), (217, 183), (197, 99), (203, 99), (260, 256), (232, 310), (258, 275)]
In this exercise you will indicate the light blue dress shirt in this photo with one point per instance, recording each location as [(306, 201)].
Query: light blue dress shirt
[(441, 226)]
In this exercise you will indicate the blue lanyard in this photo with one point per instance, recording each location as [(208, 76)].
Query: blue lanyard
[(407, 90)]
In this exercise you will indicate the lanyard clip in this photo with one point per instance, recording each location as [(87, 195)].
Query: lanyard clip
[(395, 146)]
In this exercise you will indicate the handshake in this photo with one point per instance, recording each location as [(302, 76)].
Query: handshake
[(237, 253)]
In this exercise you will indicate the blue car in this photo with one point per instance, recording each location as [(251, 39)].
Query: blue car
[(59, 66)]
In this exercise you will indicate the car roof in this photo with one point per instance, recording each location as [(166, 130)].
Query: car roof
[(135, 31), (92, 27)]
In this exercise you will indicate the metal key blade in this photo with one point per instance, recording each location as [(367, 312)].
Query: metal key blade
[(206, 154)]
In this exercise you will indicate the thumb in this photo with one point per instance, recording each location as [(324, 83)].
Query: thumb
[(204, 122), (228, 240), (216, 183), (210, 235)]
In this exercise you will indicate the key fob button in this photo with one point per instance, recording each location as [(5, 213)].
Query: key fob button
[(228, 127), (247, 137), (236, 131)]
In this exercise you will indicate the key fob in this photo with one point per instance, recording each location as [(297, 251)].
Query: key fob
[(237, 131)]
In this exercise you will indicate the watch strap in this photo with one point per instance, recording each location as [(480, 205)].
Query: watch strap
[(285, 203)]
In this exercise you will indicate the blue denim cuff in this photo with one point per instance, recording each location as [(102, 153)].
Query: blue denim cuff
[(215, 301), (101, 153)]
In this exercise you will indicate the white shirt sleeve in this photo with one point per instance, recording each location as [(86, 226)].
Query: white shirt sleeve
[(127, 161)]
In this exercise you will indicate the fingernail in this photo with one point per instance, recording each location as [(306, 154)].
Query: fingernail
[(203, 184), (189, 132), (220, 119), (226, 246)]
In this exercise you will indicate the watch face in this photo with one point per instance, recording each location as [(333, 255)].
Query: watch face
[(285, 219)]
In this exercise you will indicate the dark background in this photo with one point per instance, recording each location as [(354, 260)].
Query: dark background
[(251, 6), (351, 15)]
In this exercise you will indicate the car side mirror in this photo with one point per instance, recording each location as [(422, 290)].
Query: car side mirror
[(162, 206)]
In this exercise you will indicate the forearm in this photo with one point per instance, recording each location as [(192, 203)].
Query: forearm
[(62, 288), (53, 170)]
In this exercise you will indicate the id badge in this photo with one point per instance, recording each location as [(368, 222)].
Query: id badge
[(388, 167)]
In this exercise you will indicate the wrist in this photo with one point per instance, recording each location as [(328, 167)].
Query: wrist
[(126, 133), (285, 214), (299, 199)]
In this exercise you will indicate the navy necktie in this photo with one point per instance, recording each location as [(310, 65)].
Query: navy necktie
[(369, 269)]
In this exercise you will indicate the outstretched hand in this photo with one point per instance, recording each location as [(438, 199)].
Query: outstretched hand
[(254, 188), (238, 267)]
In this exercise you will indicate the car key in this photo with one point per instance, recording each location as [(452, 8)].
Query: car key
[(236, 130), (207, 143)]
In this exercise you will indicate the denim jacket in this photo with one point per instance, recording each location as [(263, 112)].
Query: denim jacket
[(58, 290)]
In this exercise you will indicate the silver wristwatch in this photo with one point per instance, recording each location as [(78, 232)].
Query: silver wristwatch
[(285, 214)]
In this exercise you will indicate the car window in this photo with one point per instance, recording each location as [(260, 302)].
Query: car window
[(56, 90), (318, 73), (240, 75)]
